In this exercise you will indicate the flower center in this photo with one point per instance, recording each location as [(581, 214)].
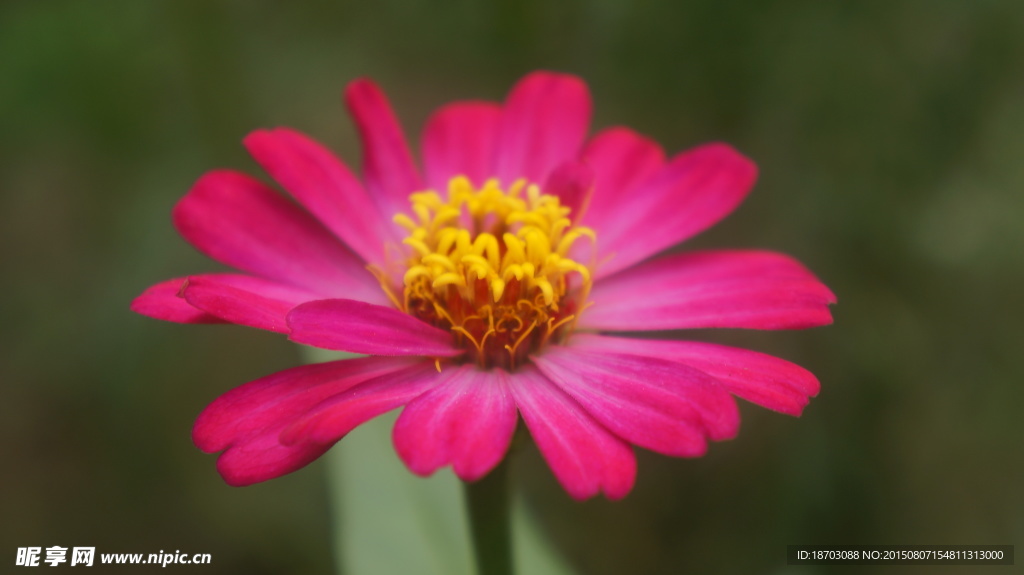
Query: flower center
[(492, 266)]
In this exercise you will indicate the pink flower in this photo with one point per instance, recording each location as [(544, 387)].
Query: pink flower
[(481, 289)]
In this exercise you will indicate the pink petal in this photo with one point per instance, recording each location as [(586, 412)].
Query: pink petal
[(746, 289), (543, 124), (573, 183), (336, 416), (358, 327), (325, 187), (245, 300), (262, 457), (656, 404), (585, 458), (691, 193), (241, 222), (163, 301), (466, 421), (284, 396), (759, 378), (460, 139), (388, 168), (246, 421), (621, 160)]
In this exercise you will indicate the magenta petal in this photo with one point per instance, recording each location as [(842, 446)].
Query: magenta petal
[(759, 378), (245, 300), (325, 187), (262, 457), (284, 396), (241, 222), (656, 404), (745, 289), (387, 165), (466, 421), (164, 301), (334, 417), (246, 421), (584, 456), (358, 327), (572, 183), (459, 140), (691, 193), (622, 160), (543, 124)]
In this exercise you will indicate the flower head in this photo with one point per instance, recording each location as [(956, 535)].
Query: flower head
[(483, 289)]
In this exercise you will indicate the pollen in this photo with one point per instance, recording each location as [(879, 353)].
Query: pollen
[(493, 265)]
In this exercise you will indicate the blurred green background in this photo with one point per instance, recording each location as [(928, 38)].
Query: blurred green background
[(890, 137)]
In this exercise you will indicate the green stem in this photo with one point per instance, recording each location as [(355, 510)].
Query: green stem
[(488, 503)]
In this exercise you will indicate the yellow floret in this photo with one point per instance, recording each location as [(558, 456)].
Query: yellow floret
[(482, 241)]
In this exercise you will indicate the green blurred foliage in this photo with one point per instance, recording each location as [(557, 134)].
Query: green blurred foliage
[(889, 137)]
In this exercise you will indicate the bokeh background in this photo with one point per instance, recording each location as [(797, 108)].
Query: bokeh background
[(890, 137)]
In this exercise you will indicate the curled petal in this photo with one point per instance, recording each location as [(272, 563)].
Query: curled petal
[(164, 301), (245, 422), (245, 300)]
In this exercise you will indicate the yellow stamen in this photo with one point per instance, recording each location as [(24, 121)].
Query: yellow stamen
[(512, 348), (492, 264)]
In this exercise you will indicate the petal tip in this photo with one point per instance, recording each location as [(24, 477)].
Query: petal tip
[(359, 90), (202, 436), (552, 76), (236, 477), (163, 302), (740, 164)]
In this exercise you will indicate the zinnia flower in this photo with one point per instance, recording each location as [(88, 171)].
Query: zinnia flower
[(481, 290)]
